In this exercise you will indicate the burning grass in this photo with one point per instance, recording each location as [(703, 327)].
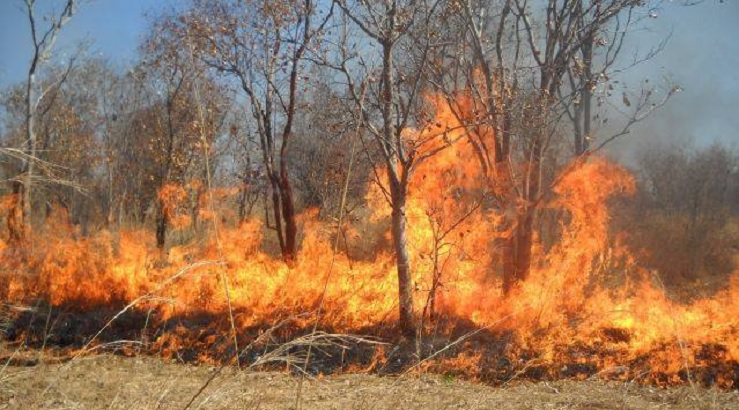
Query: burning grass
[(143, 306), (586, 308)]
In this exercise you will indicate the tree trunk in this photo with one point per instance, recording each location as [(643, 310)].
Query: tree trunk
[(509, 263), (289, 252), (14, 219), (405, 282), (31, 147), (587, 94), (277, 211), (517, 254), (582, 120), (161, 226), (524, 245)]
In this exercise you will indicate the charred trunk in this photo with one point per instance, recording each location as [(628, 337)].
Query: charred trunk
[(508, 254), (162, 222), (518, 254), (289, 250), (14, 217), (525, 244), (277, 212)]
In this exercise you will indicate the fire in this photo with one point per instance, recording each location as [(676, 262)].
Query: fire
[(584, 292)]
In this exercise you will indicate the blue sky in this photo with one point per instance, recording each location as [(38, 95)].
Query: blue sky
[(113, 26), (702, 56)]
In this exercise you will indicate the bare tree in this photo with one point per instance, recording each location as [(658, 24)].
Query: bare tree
[(262, 45), (396, 97), (43, 39)]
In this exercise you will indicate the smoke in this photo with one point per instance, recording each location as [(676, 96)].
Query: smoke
[(702, 57)]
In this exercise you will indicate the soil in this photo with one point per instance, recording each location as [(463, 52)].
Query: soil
[(114, 382)]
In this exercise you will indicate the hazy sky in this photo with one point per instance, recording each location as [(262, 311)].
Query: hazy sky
[(702, 56)]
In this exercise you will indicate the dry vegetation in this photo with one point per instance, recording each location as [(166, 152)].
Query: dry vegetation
[(273, 178), (141, 383)]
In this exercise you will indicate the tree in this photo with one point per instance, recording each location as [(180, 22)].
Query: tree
[(66, 149), (66, 123), (396, 94), (526, 68), (182, 125), (262, 45), (43, 40)]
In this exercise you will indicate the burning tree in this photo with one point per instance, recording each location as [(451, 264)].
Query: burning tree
[(388, 100), (525, 71), (262, 45)]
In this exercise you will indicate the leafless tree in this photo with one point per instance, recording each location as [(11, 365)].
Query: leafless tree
[(388, 100), (43, 39), (262, 45)]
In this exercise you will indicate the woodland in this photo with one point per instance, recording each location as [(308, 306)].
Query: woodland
[(367, 186)]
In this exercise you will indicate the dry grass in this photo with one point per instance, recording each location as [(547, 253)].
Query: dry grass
[(112, 382)]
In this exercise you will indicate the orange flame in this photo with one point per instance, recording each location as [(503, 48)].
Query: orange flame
[(570, 297)]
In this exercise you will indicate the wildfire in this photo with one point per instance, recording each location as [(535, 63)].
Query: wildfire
[(584, 292)]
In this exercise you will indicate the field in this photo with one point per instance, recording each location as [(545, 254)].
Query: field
[(115, 382)]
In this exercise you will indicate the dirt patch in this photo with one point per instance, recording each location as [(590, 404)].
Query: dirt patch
[(147, 383)]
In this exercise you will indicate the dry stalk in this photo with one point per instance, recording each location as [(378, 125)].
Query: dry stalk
[(262, 337), (219, 244), (314, 340)]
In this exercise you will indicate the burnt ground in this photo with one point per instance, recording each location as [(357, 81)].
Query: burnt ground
[(114, 382), (489, 357)]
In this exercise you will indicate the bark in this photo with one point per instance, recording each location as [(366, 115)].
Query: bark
[(518, 251), (582, 118), (509, 263), (31, 147), (398, 186), (587, 94), (162, 222), (14, 220), (400, 245), (398, 163), (42, 44), (525, 244), (277, 210), (289, 252)]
